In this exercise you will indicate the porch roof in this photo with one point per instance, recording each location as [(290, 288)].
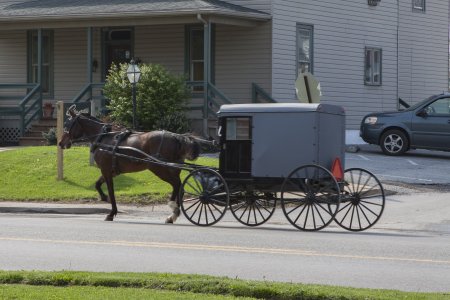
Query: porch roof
[(46, 11)]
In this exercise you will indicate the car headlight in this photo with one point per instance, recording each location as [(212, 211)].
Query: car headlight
[(371, 120)]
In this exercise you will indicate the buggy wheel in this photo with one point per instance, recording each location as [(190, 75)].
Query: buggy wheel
[(310, 197), (204, 197), (253, 208), (362, 200)]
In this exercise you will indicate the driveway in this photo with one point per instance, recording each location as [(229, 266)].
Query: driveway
[(419, 167)]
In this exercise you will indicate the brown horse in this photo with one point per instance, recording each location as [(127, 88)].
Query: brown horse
[(121, 151)]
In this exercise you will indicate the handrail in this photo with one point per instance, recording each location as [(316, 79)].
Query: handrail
[(214, 94), (87, 89), (258, 91), (24, 109)]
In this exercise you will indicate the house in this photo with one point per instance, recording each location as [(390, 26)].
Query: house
[(366, 53)]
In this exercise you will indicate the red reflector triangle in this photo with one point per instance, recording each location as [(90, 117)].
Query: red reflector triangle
[(336, 169)]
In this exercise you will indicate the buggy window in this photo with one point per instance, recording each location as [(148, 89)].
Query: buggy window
[(236, 154), (238, 129)]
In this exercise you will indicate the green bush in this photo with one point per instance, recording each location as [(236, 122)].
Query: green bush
[(161, 98), (50, 136)]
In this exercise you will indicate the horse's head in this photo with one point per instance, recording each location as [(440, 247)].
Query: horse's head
[(72, 128)]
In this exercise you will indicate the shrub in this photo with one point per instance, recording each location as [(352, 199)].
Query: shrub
[(50, 136), (161, 98)]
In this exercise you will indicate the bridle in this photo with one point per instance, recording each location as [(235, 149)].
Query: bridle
[(106, 129)]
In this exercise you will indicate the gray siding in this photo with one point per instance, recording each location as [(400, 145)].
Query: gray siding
[(423, 50), (13, 56), (243, 56), (161, 44), (70, 66), (341, 33)]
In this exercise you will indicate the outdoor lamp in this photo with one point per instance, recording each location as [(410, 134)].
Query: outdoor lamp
[(133, 74)]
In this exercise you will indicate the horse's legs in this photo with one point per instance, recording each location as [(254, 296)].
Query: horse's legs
[(174, 202), (109, 183), (171, 176), (98, 187)]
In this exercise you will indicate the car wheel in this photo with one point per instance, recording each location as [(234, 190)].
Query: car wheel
[(394, 142)]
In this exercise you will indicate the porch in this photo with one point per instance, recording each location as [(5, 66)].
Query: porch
[(224, 50)]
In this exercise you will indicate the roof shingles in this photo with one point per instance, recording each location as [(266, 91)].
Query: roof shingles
[(41, 9)]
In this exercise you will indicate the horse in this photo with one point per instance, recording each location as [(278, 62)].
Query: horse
[(117, 151)]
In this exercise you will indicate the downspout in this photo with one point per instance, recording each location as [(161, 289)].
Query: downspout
[(398, 52), (205, 71)]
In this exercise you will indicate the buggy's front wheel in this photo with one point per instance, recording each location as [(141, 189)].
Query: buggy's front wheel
[(310, 197), (204, 197), (362, 200)]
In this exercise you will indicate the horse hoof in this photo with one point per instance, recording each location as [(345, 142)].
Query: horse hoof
[(109, 218), (169, 220)]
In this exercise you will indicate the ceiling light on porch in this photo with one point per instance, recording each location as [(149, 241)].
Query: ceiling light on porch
[(133, 72)]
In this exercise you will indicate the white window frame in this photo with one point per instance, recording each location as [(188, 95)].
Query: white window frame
[(309, 30), (418, 5), (372, 67)]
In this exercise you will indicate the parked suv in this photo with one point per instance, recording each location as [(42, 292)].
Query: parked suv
[(425, 125)]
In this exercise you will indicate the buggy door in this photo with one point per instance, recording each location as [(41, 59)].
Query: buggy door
[(236, 147)]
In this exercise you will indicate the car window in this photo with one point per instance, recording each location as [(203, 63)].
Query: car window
[(413, 107), (439, 107)]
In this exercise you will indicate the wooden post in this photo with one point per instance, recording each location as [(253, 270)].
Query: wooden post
[(59, 133)]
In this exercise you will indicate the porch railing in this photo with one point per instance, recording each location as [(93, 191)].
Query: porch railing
[(215, 98), (28, 108), (91, 91), (258, 92)]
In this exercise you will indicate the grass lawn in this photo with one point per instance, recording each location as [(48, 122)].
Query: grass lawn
[(91, 285), (28, 292), (29, 174)]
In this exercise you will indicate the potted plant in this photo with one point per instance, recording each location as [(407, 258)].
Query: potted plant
[(47, 110)]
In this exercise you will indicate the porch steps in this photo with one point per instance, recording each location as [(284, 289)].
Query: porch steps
[(33, 137)]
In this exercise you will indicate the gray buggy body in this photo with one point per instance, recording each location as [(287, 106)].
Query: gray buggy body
[(277, 138)]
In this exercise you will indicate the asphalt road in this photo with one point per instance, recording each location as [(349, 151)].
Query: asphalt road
[(407, 249)]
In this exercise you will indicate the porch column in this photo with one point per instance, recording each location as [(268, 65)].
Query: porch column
[(206, 72), (89, 59), (39, 71)]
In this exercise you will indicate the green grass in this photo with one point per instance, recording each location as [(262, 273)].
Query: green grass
[(202, 285), (30, 174), (26, 292)]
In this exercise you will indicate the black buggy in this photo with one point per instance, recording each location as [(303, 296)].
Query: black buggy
[(285, 154)]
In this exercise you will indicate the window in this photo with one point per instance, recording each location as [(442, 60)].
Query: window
[(196, 56), (372, 66), (304, 48), (47, 60), (419, 5), (440, 107)]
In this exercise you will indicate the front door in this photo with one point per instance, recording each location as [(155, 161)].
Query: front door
[(117, 47)]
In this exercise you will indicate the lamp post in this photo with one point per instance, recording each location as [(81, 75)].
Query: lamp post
[(133, 74)]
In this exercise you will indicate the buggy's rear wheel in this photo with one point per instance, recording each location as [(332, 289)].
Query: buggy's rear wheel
[(204, 197), (310, 197), (252, 208), (362, 200)]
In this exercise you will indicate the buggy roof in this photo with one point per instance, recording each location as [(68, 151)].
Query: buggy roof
[(251, 108)]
